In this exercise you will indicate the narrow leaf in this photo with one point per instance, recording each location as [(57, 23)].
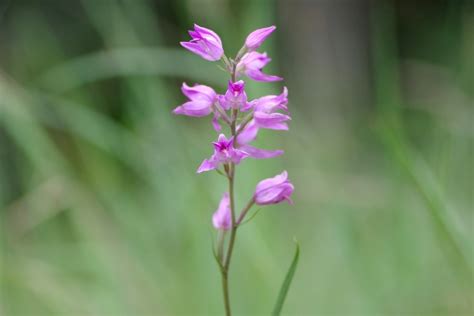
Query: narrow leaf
[(221, 173), (214, 253), (286, 283), (251, 217)]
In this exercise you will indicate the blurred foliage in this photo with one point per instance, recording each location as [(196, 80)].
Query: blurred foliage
[(102, 212)]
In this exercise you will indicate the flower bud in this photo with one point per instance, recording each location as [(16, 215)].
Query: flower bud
[(251, 65), (257, 37), (221, 219), (274, 190)]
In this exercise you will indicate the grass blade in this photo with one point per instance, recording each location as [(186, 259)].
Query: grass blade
[(286, 283)]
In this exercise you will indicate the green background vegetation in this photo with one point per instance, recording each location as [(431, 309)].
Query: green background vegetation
[(102, 212)]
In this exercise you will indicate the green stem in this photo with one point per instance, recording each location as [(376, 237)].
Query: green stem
[(225, 288), (245, 211), (220, 245), (225, 266)]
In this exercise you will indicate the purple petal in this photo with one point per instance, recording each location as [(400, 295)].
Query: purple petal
[(275, 194), (254, 60), (271, 103), (235, 96), (222, 139), (259, 153), (194, 108), (275, 121), (248, 134), (223, 102), (252, 63), (197, 49), (204, 48), (270, 182), (274, 190), (205, 31), (194, 34), (222, 217), (258, 75), (199, 92), (256, 38), (246, 106), (215, 123), (206, 165), (237, 155)]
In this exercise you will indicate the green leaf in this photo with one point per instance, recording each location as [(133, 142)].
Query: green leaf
[(251, 217), (221, 173), (287, 282)]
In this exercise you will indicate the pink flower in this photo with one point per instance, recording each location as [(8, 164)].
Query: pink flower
[(205, 43), (224, 152), (251, 65), (265, 111), (265, 116), (256, 38), (274, 190), (271, 103), (235, 96), (221, 219), (201, 99)]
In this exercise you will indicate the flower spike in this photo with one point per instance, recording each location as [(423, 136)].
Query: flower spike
[(244, 119)]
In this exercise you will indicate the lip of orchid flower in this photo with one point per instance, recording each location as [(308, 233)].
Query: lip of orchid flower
[(205, 43), (274, 190), (257, 37), (201, 99), (236, 89), (252, 63), (221, 219), (224, 153), (223, 144), (235, 96)]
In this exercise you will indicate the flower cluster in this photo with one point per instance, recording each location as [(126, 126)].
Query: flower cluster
[(244, 117)]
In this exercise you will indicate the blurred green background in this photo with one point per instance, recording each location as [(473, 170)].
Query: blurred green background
[(102, 212)]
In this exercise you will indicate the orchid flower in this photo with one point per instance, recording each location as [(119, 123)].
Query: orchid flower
[(252, 64), (224, 153), (201, 99), (205, 43)]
